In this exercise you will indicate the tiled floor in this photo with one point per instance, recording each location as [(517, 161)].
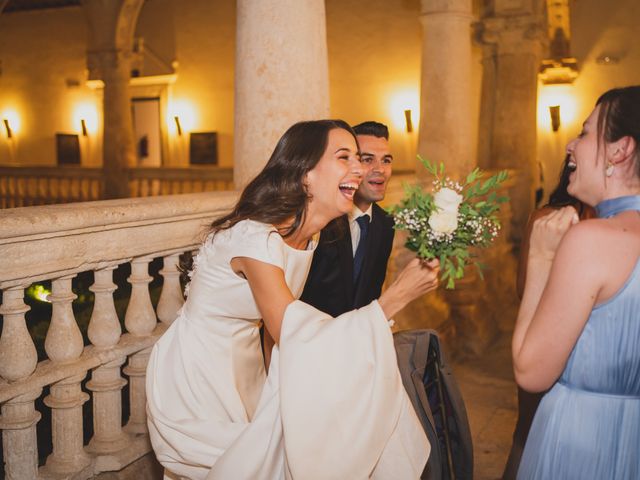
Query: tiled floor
[(489, 393)]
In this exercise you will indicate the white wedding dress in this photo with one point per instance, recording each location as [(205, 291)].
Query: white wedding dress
[(332, 407)]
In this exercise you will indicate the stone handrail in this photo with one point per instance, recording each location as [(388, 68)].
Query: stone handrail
[(55, 243), (23, 186)]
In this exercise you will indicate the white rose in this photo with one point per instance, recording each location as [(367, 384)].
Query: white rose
[(444, 222), (447, 200)]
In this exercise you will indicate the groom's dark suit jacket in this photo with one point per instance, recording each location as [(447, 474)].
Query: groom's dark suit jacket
[(330, 285)]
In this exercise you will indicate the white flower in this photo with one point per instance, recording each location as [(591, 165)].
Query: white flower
[(444, 222), (447, 200)]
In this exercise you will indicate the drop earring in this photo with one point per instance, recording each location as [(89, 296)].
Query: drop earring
[(609, 171)]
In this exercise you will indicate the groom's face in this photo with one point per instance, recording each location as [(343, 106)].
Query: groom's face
[(376, 160)]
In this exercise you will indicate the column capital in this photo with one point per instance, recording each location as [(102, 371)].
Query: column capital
[(451, 7), (514, 34), (103, 62)]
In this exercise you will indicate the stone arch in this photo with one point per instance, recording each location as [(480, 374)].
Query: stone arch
[(112, 24), (126, 23)]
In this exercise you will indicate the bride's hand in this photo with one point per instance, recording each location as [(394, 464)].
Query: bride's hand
[(548, 231), (416, 279)]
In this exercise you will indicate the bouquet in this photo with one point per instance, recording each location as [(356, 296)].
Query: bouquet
[(447, 222)]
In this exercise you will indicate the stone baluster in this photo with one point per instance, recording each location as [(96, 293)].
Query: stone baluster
[(137, 369), (64, 344), (19, 440), (18, 359), (18, 356), (140, 319), (104, 327), (171, 298), (106, 382)]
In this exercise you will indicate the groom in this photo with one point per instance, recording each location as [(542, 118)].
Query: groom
[(350, 263)]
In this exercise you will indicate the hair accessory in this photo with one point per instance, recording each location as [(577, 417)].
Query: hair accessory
[(609, 171)]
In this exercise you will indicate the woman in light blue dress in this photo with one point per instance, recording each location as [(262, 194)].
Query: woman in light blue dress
[(578, 328)]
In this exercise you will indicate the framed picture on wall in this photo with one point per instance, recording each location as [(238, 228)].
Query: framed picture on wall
[(203, 148), (67, 149)]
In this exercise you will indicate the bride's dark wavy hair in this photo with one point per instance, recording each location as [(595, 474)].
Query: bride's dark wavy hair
[(278, 193)]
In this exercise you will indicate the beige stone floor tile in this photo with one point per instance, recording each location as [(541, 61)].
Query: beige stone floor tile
[(490, 397)]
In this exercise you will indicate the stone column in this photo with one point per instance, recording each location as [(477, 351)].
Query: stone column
[(111, 29), (118, 140), (281, 76), (446, 123), (514, 36)]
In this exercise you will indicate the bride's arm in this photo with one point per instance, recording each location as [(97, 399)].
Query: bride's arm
[(416, 279), (269, 289), (272, 295)]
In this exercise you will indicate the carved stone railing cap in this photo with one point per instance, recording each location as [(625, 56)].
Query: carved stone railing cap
[(56, 220), (39, 243)]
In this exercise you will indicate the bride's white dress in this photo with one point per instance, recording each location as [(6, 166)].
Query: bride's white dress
[(332, 407)]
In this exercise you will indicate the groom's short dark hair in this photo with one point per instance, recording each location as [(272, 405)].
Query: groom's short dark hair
[(375, 129)]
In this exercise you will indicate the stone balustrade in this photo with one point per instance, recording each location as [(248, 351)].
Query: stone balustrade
[(149, 182), (57, 242), (43, 185), (27, 186)]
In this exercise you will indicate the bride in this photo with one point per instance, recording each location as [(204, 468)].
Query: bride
[(332, 405)]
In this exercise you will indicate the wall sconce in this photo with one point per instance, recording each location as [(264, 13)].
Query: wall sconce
[(554, 112), (7, 127), (178, 127), (407, 121), (83, 127)]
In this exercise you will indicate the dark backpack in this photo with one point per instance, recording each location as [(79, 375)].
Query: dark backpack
[(438, 403)]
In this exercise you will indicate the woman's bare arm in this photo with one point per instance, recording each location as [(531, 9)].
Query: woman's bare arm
[(523, 258), (559, 295), (416, 279), (269, 289), (272, 295)]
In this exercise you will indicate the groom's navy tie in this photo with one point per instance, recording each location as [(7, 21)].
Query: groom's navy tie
[(358, 258)]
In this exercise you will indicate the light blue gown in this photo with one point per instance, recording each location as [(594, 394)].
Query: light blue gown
[(588, 425)]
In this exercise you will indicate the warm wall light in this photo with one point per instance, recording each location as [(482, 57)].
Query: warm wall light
[(404, 106), (554, 101), (182, 117), (554, 112), (407, 121), (7, 127), (85, 118), (10, 122)]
